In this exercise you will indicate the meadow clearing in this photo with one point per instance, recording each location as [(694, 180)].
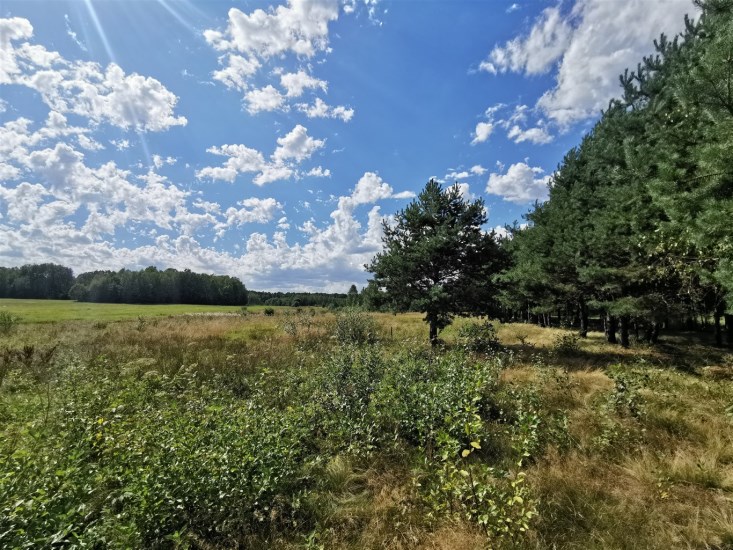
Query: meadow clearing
[(127, 426)]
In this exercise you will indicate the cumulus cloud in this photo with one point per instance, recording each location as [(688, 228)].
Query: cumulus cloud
[(301, 27), (83, 88), (292, 149), (520, 184), (482, 132), (252, 40), (536, 52), (591, 46), (320, 109), (253, 211), (296, 145), (319, 172), (295, 83), (241, 160), (264, 99), (514, 122), (535, 135), (237, 71)]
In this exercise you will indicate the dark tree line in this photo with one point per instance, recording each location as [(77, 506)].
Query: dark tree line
[(148, 286), (46, 281), (152, 286), (638, 228)]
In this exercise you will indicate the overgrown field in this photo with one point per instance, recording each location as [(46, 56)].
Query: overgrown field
[(307, 429)]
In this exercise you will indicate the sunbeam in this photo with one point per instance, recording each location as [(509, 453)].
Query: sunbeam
[(111, 54)]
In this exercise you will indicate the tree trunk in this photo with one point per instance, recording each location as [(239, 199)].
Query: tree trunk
[(718, 330), (433, 332), (729, 329), (655, 332), (625, 331), (611, 328), (583, 319)]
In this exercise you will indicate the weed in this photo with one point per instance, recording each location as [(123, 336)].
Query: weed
[(8, 322)]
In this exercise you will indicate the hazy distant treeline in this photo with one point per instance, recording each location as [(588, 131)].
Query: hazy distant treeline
[(150, 286), (298, 299)]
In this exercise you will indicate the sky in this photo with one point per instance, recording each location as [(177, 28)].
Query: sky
[(269, 141)]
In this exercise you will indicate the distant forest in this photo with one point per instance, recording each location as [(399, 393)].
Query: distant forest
[(150, 286)]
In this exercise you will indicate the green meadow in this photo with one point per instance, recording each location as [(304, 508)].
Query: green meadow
[(47, 311)]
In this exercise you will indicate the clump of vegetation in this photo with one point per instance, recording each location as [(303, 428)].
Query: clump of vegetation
[(478, 337), (566, 345), (8, 322), (355, 326), (269, 311)]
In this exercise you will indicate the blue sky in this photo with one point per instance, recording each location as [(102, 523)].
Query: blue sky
[(269, 141)]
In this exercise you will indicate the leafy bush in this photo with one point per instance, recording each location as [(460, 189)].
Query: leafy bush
[(135, 455), (269, 311), (354, 326), (566, 345), (478, 337)]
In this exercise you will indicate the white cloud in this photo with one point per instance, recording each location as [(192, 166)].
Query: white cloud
[(297, 145), (83, 88), (159, 161), (320, 109), (301, 28), (264, 99), (370, 188), (241, 160), (295, 83), (237, 71), (293, 148), (252, 40), (453, 175), (513, 8), (593, 45), (403, 195), (521, 184), (482, 132), (73, 35), (273, 172), (120, 144), (88, 143), (535, 53), (513, 124), (535, 135), (478, 170), (253, 211), (319, 172)]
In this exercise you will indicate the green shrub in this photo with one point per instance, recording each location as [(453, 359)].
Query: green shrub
[(8, 322), (566, 345), (269, 311), (478, 337), (354, 326)]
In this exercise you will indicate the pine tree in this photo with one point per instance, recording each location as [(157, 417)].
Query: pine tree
[(437, 259)]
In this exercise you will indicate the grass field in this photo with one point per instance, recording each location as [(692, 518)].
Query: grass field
[(46, 311), (310, 429)]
